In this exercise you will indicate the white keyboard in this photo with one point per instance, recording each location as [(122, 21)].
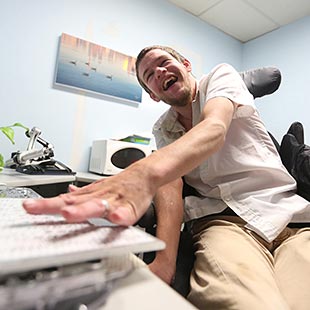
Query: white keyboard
[(30, 242)]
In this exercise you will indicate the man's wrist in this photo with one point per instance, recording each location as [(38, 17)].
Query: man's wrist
[(166, 257)]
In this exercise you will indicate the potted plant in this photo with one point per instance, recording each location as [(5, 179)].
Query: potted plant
[(9, 132)]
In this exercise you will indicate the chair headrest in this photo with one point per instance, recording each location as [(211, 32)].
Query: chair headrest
[(262, 81)]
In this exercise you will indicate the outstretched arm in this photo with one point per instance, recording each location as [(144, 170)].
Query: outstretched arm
[(130, 192)]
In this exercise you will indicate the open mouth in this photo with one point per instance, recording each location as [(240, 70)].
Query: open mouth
[(169, 82)]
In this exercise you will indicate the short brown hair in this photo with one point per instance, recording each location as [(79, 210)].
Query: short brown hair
[(147, 49)]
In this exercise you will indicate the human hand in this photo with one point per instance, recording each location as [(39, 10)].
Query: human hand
[(163, 269), (128, 195)]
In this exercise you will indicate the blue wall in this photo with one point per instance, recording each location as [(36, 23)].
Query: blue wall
[(30, 32), (288, 49)]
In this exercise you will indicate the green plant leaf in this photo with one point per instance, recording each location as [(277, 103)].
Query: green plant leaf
[(20, 125), (9, 132), (1, 162)]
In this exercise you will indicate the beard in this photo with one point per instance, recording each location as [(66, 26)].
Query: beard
[(180, 101)]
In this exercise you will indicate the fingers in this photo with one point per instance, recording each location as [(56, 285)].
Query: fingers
[(83, 203), (79, 209), (76, 196), (48, 206), (115, 213), (85, 210), (52, 205)]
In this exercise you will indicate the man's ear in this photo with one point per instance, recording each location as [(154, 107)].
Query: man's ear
[(187, 64), (154, 97)]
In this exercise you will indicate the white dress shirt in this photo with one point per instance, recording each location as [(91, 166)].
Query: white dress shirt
[(246, 174)]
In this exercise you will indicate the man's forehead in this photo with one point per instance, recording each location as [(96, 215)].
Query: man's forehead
[(153, 56), (156, 54)]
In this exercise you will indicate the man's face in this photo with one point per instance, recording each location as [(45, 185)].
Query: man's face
[(166, 78)]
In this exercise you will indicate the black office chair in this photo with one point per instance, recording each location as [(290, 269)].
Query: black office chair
[(260, 82), (295, 156)]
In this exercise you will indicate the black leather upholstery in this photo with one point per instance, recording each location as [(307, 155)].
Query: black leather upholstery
[(295, 155)]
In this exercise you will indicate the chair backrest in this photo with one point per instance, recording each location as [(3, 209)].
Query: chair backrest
[(262, 81)]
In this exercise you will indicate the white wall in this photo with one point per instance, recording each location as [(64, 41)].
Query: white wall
[(288, 49), (30, 33)]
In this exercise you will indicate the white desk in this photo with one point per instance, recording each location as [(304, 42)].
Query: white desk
[(141, 289), (10, 177), (88, 177)]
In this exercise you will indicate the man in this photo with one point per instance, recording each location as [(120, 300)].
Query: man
[(246, 256)]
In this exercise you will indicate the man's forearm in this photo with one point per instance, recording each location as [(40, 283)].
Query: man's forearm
[(169, 212), (187, 152)]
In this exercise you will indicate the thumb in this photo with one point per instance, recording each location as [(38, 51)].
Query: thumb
[(72, 188), (123, 216)]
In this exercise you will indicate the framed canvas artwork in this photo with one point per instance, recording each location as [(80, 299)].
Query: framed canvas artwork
[(86, 66)]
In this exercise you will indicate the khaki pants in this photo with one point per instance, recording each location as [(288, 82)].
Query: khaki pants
[(236, 269)]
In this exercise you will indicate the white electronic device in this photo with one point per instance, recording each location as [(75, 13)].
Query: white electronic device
[(31, 242), (109, 157)]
